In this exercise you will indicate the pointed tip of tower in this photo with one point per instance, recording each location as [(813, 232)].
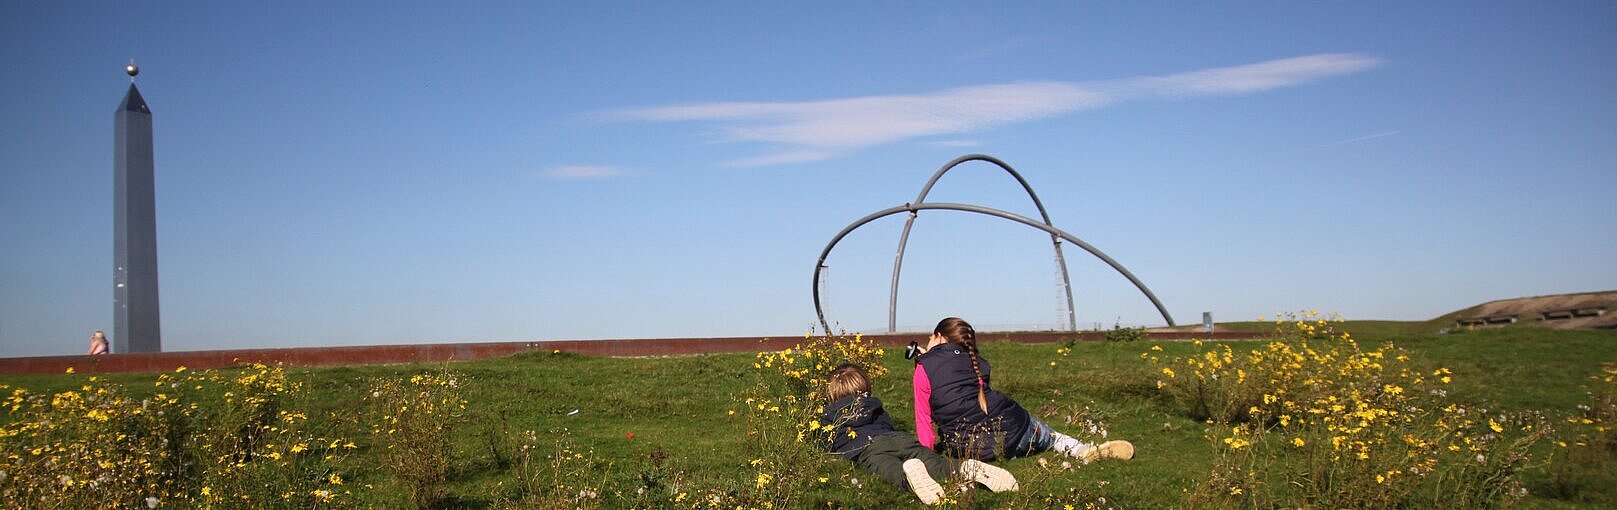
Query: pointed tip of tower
[(133, 102)]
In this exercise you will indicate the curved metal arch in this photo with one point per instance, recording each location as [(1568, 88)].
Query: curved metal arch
[(912, 208), (903, 238)]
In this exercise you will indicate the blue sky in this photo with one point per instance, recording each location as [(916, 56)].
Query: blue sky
[(398, 172)]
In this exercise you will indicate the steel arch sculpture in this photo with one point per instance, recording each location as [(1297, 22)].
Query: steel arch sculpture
[(920, 205), (903, 239)]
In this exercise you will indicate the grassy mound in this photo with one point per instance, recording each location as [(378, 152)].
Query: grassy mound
[(559, 430)]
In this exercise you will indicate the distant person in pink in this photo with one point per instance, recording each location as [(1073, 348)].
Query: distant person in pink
[(98, 343)]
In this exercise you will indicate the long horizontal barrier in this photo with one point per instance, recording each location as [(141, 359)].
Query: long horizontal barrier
[(414, 353)]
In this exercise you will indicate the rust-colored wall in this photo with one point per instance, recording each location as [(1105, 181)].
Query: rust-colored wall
[(381, 354)]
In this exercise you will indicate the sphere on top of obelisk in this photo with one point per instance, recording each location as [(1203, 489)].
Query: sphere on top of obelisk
[(132, 69)]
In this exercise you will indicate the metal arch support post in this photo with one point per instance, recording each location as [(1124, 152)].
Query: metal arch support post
[(819, 311), (903, 238)]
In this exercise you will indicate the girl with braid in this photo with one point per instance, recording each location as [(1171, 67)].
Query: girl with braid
[(973, 421)]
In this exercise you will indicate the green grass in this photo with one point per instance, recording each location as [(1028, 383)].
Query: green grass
[(679, 406)]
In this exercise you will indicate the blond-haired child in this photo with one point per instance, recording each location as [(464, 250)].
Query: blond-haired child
[(862, 432)]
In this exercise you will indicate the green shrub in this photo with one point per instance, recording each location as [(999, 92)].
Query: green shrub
[(413, 422), (1118, 333), (208, 439), (1312, 419)]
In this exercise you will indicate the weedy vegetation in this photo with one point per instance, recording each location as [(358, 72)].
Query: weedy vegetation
[(1313, 416)]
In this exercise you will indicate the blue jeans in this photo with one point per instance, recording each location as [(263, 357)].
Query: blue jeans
[(1038, 438)]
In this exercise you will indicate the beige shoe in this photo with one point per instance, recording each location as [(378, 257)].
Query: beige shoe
[(921, 482), (1122, 450), (993, 477)]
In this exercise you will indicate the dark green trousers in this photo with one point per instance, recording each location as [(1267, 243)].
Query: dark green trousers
[(886, 454)]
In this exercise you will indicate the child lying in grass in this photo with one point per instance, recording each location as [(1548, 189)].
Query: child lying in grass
[(863, 433), (952, 388)]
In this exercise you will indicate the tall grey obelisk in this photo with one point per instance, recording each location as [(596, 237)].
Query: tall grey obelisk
[(136, 325)]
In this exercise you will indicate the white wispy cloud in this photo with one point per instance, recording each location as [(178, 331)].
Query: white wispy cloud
[(816, 130), (1248, 78), (1355, 139), (580, 172)]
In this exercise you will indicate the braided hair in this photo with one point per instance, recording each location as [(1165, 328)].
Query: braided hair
[(957, 331)]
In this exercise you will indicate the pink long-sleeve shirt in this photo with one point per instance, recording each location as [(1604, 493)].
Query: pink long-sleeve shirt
[(923, 408)]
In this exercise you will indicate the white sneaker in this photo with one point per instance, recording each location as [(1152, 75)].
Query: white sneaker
[(1122, 450), (993, 477), (921, 482), (1066, 445)]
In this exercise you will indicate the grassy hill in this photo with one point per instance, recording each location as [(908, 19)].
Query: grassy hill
[(1529, 311), (645, 430)]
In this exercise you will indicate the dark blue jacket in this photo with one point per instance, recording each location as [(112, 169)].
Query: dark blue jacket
[(862, 414), (950, 389)]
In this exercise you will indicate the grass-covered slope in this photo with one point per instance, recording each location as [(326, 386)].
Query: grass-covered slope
[(666, 424)]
